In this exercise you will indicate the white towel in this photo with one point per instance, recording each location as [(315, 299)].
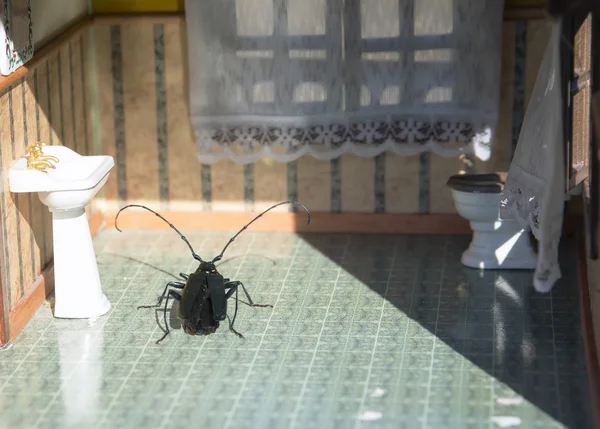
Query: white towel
[(534, 192)]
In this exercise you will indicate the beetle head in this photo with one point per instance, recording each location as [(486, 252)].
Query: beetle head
[(206, 266)]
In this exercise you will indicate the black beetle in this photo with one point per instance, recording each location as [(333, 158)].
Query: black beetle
[(203, 302)]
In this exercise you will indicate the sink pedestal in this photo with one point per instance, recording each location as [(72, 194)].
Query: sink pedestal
[(77, 286)]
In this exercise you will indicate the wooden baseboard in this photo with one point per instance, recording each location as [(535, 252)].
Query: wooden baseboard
[(380, 223), (31, 301), (324, 222), (96, 222), (36, 294), (589, 337)]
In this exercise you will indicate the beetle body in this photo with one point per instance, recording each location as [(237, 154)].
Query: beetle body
[(203, 304), (204, 294)]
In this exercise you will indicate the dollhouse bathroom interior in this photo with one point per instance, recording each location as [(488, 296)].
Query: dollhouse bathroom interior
[(299, 214)]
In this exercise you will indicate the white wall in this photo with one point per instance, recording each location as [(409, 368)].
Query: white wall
[(51, 17)]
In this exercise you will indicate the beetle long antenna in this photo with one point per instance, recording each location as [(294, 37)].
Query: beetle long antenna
[(196, 257), (218, 258)]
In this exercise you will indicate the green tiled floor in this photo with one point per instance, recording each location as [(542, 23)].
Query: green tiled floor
[(366, 332)]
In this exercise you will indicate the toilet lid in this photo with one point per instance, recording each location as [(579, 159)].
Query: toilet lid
[(488, 183)]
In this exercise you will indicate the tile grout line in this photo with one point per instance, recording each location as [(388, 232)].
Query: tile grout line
[(24, 358), (211, 385), (558, 405), (462, 364), (112, 403), (435, 338), (180, 391), (370, 369), (60, 389), (106, 245), (10, 377), (178, 394), (237, 399), (494, 338), (305, 382), (69, 377), (171, 348), (287, 348), (412, 295), (336, 382)]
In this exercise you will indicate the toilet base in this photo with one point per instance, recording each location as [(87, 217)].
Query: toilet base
[(77, 289), (499, 245)]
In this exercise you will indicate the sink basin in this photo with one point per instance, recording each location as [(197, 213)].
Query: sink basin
[(73, 172), (66, 190)]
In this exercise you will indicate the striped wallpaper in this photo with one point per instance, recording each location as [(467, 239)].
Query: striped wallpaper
[(50, 105), (143, 121), (136, 110)]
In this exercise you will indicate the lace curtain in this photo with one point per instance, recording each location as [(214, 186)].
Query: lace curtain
[(285, 78)]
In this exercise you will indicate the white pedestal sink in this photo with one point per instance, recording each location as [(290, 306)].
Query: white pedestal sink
[(66, 191)]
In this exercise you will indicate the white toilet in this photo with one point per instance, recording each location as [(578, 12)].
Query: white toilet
[(496, 244)]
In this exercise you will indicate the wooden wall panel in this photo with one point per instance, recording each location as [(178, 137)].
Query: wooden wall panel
[(270, 184), (314, 184), (45, 105), (357, 177), (402, 183), (44, 131), (440, 196), (67, 98), (183, 167), (105, 107), (139, 109), (55, 95), (227, 186), (78, 99)]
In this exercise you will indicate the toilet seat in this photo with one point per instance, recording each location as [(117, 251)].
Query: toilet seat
[(487, 183)]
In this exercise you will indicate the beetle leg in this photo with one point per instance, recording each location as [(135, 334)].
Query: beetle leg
[(176, 297), (177, 285), (183, 276), (232, 320), (233, 286)]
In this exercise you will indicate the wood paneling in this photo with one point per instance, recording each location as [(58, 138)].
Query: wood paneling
[(139, 107), (227, 186), (314, 183), (270, 184), (183, 168), (402, 183), (105, 107), (357, 184), (43, 104)]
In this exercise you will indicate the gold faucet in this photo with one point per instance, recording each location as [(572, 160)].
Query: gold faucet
[(36, 160)]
